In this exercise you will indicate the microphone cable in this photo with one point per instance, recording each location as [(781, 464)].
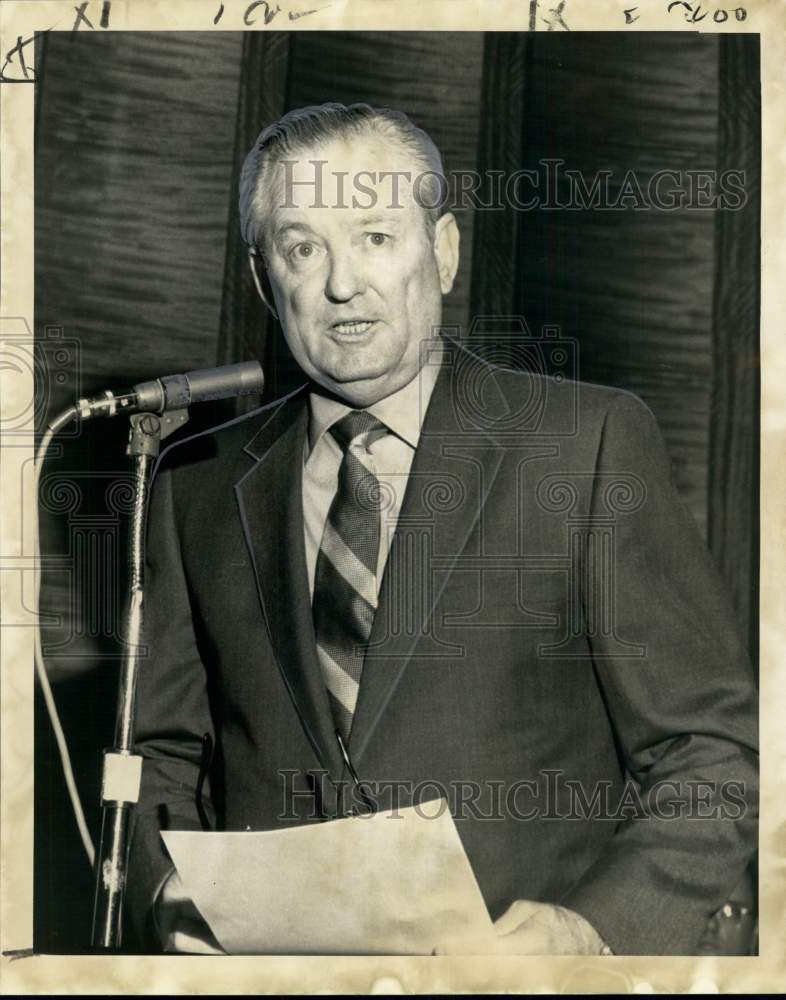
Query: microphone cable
[(43, 678)]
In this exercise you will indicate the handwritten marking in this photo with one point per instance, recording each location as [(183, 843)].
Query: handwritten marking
[(19, 49), (694, 15), (17, 953), (295, 14), (558, 19), (269, 13), (628, 18), (82, 16)]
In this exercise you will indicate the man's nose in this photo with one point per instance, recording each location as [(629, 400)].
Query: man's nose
[(345, 278)]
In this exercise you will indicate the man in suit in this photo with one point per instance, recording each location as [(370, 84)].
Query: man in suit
[(431, 572)]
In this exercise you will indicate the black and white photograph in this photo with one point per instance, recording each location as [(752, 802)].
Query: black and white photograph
[(393, 481)]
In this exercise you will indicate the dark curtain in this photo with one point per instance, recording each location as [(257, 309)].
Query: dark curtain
[(246, 328), (733, 459), (661, 302)]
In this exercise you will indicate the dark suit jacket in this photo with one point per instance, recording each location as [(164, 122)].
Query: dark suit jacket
[(550, 632)]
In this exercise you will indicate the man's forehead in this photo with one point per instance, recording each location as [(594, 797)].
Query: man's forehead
[(313, 219), (330, 192)]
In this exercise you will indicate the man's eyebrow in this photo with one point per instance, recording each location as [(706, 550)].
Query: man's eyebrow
[(286, 227), (368, 220), (376, 220)]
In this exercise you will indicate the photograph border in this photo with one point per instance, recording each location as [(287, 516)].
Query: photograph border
[(22, 971)]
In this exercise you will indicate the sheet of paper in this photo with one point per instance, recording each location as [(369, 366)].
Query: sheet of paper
[(390, 883)]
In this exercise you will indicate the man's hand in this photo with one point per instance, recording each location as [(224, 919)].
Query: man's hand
[(179, 924), (528, 928)]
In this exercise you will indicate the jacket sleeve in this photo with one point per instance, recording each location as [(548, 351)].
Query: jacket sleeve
[(172, 714), (683, 712)]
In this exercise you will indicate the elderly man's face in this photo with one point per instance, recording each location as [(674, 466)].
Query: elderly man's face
[(357, 286)]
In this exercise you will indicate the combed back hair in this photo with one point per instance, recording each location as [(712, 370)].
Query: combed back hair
[(304, 128)]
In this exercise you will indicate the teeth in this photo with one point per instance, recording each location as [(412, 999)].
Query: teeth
[(356, 326)]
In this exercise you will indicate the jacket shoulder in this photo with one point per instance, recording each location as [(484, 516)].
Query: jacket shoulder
[(564, 406), (230, 437)]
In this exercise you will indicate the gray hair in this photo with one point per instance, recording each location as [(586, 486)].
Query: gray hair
[(304, 128)]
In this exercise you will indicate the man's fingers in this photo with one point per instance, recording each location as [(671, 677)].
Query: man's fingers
[(173, 891), (529, 928), (525, 943), (181, 926), (188, 944), (193, 937), (516, 914)]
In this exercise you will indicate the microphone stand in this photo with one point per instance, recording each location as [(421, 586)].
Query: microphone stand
[(122, 768)]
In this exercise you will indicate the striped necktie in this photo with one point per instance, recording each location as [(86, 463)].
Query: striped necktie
[(345, 581)]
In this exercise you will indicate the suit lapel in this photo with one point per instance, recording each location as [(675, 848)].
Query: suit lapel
[(451, 476), (270, 504)]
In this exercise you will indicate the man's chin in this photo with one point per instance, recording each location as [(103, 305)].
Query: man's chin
[(360, 388)]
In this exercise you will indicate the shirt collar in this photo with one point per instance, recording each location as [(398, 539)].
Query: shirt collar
[(402, 412)]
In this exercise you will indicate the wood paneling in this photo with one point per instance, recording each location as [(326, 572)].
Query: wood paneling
[(248, 329), (633, 287), (733, 494), (132, 177), (134, 158)]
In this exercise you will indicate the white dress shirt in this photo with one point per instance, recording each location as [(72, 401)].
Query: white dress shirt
[(392, 455)]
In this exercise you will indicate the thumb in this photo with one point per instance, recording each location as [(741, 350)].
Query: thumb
[(173, 890)]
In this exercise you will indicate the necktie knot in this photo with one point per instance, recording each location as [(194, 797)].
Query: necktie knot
[(358, 426)]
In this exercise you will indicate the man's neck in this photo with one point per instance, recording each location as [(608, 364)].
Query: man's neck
[(403, 411)]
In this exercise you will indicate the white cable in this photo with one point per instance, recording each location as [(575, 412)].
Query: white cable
[(43, 679)]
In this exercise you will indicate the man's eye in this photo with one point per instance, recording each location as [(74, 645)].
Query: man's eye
[(303, 251), (378, 239)]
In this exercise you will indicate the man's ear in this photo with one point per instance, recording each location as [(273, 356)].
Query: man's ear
[(259, 273), (446, 250)]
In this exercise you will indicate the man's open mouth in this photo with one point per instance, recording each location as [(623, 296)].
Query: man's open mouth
[(350, 326)]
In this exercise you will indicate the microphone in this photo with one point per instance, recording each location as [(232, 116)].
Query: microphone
[(176, 392)]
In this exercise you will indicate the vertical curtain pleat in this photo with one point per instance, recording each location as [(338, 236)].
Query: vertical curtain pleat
[(247, 329), (733, 468)]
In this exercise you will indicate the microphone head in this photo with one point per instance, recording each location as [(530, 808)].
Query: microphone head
[(243, 379)]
